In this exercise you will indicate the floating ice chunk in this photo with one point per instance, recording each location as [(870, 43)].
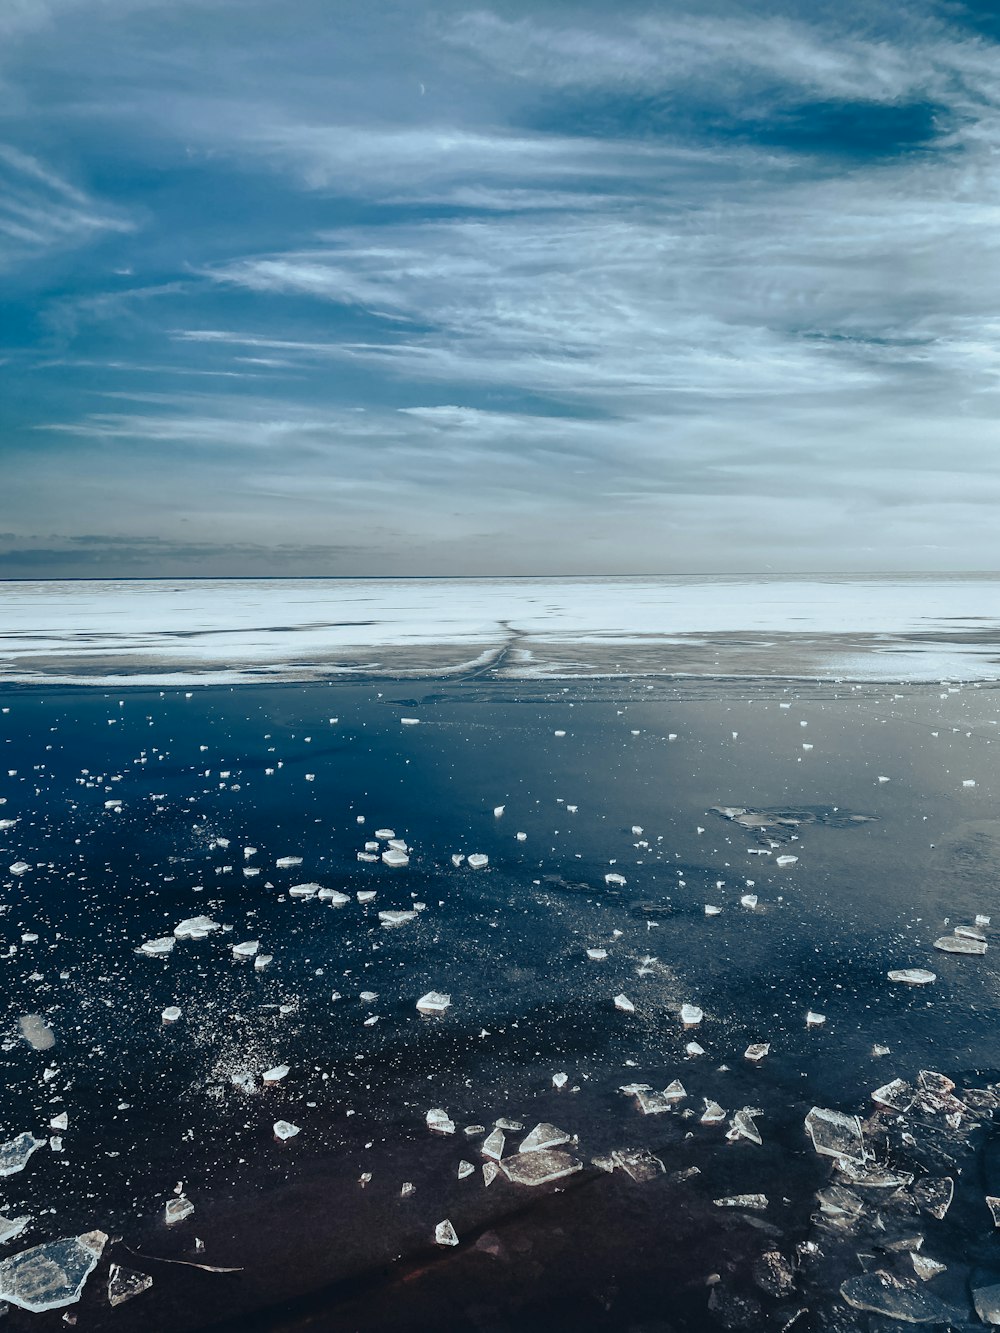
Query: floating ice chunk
[(785, 860), (394, 857), (439, 1121), (385, 833), (407, 1190), (614, 878), (982, 920), (749, 900), (20, 868), (652, 1103), (539, 1167), (544, 1136), (814, 1020), (410, 721), (195, 928), (11, 1227), (59, 1122), (396, 918), (284, 1129), (15, 1153), (368, 995), (691, 1015), (968, 782), (960, 944), (743, 1126), (560, 1080), (366, 895), (756, 1051), (713, 1113), (288, 862), (51, 1276), (521, 837), (366, 856), (897, 1095), (304, 891), (433, 1003), (498, 810), (559, 733), (334, 897), (933, 1194), (156, 948), (124, 1283), (675, 1091), (275, 1075), (171, 1014), (882, 778), (445, 1234), (457, 858), (834, 1134), (993, 1204), (882, 1294), (987, 1303), (639, 1163), (912, 976), (177, 1210), (694, 1048), (925, 1267), (712, 910), (493, 1145), (757, 1202), (597, 955), (465, 1169), (262, 960), (36, 1032), (969, 933), (478, 861), (623, 1003)]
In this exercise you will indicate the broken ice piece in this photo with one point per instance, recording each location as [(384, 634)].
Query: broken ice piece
[(498, 810), (36, 1031), (195, 928), (882, 1294), (960, 944), (177, 1210), (691, 1015), (394, 857), (623, 1003), (304, 890), (539, 1167), (124, 1283), (925, 1267), (597, 955), (247, 949), (559, 1081), (59, 1122), (934, 1194), (51, 1276), (396, 918), (713, 1113), (275, 1074), (639, 1163), (756, 1051), (544, 1136), (10, 1227), (334, 897), (913, 976), (465, 1169), (287, 862), (407, 1190), (785, 860), (712, 910), (693, 1048), (154, 948), (490, 1173), (749, 900), (284, 1129), (19, 868), (758, 1202), (445, 1234), (743, 1126), (171, 1014), (897, 1095), (478, 860), (614, 878), (493, 1145), (439, 1121), (433, 1003), (814, 1020), (15, 1153), (262, 960), (834, 1134)]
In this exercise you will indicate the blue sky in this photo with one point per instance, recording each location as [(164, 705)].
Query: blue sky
[(323, 288)]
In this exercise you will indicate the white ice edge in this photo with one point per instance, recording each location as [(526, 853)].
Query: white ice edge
[(218, 631)]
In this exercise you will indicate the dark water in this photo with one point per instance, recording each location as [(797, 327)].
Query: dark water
[(151, 1105)]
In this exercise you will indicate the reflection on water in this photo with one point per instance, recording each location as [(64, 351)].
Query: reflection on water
[(843, 813)]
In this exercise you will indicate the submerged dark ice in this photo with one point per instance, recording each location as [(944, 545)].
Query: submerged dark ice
[(499, 1006)]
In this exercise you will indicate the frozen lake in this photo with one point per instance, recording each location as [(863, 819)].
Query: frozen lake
[(160, 632)]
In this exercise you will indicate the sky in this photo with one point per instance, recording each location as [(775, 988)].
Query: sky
[(315, 287)]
